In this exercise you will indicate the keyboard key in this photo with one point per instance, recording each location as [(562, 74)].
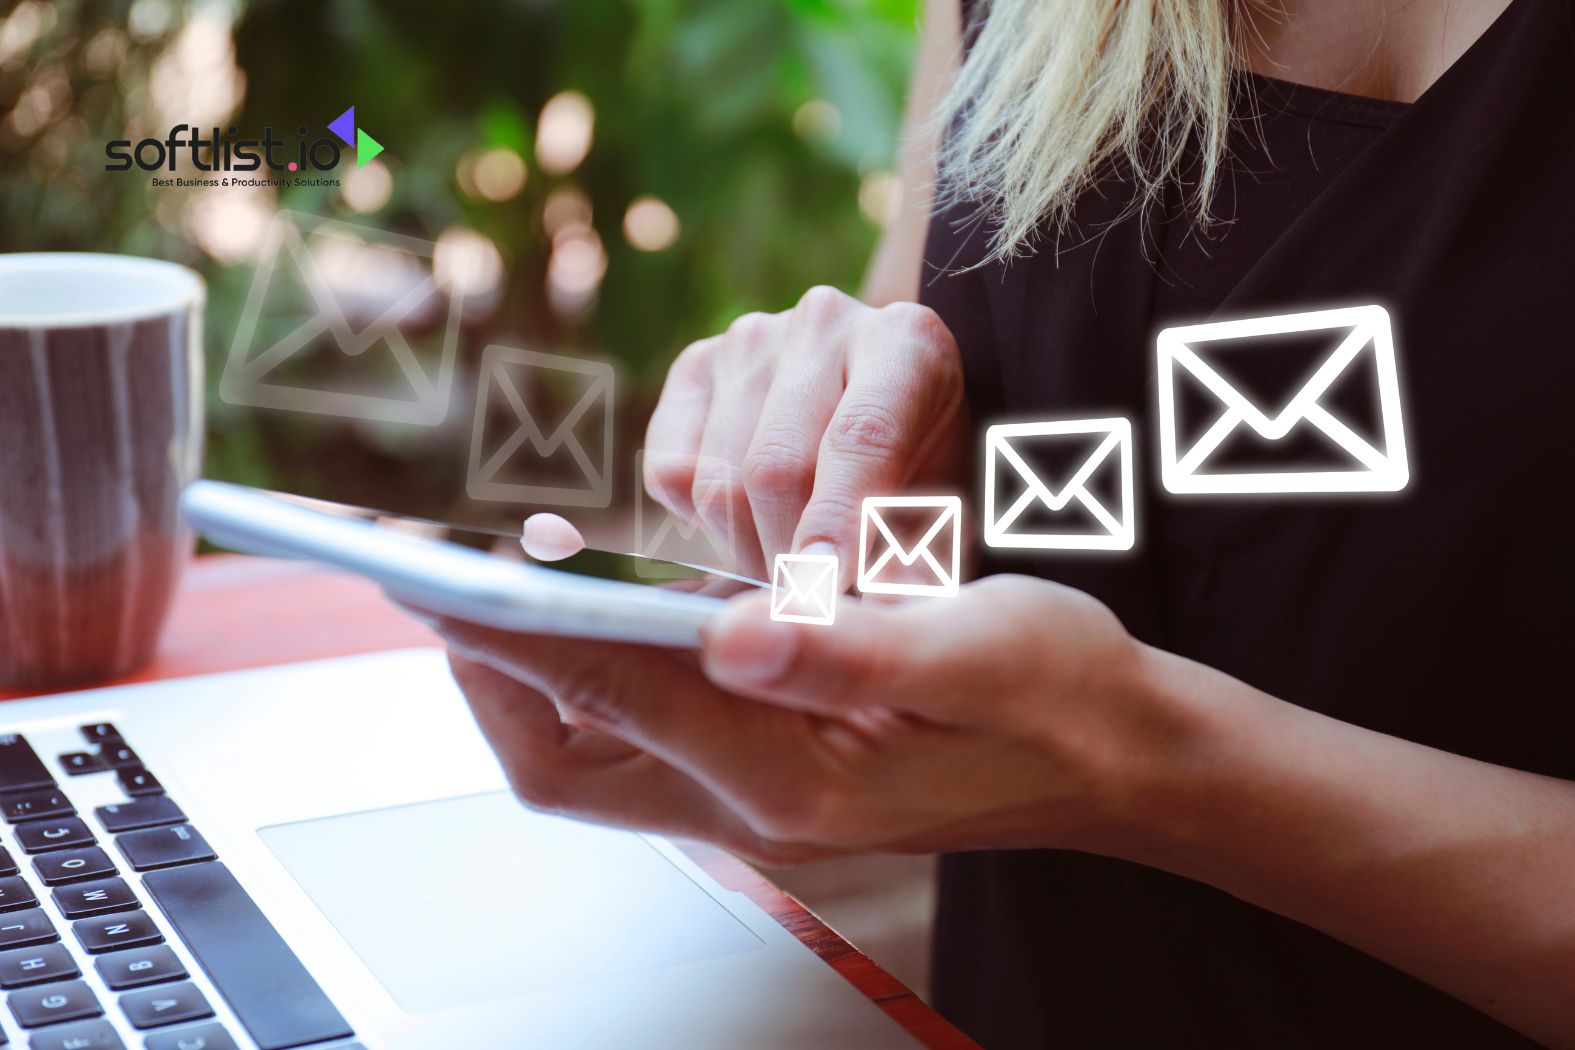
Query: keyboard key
[(271, 993), (21, 929), (139, 813), (54, 1003), (101, 733), (93, 898), (197, 1037), (137, 782), (108, 933), (76, 763), (169, 1004), (20, 766), (7, 865), (73, 864), (34, 805), (163, 847), (40, 836), (15, 893), (23, 966), (84, 1035), (136, 967), (118, 756)]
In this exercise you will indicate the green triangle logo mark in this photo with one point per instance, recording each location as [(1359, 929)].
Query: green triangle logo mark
[(366, 148)]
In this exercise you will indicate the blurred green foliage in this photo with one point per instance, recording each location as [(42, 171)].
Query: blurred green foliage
[(700, 103)]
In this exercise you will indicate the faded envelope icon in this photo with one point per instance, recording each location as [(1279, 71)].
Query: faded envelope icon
[(327, 294), (804, 588), (1191, 355), (661, 536), (938, 576), (1006, 460), (562, 442)]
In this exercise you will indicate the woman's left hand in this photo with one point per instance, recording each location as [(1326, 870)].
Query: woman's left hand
[(1013, 715)]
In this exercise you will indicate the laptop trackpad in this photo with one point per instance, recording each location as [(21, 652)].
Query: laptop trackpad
[(469, 899)]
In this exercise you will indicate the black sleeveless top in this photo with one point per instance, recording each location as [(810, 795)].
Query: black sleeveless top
[(1440, 614)]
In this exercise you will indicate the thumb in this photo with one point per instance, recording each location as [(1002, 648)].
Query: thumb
[(866, 660)]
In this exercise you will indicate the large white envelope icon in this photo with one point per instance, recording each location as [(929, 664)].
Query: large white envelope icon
[(1006, 461), (326, 287), (804, 588), (661, 536), (1183, 356), (937, 579), (504, 371)]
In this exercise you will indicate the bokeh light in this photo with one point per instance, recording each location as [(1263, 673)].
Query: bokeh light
[(498, 174), (231, 223), (195, 81), (817, 120), (650, 225), (468, 264), (880, 196), (563, 132), (566, 207), (366, 189), (575, 270), (20, 30)]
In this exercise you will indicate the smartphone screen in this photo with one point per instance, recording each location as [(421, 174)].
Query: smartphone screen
[(625, 567)]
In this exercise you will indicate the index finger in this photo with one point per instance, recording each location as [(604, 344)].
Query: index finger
[(885, 428)]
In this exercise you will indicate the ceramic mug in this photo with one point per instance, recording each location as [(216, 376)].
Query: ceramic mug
[(100, 429)]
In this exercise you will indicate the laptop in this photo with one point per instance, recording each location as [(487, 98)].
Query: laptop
[(327, 855)]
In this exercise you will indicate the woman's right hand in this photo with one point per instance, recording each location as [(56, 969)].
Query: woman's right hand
[(782, 425)]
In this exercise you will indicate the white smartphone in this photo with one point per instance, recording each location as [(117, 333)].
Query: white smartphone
[(586, 596)]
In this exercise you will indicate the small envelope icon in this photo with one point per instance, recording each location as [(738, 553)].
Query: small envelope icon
[(804, 588), (1006, 467), (505, 371), (661, 536), (940, 576), (1357, 338), (328, 288)]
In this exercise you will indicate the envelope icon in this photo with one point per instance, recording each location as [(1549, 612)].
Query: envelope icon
[(1069, 512), (804, 588), (661, 536), (506, 373), (918, 570), (344, 302), (1356, 343)]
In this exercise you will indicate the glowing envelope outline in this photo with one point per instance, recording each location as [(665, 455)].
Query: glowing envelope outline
[(499, 364), (1378, 471), (815, 590), (714, 495), (947, 577), (1120, 531), (245, 378)]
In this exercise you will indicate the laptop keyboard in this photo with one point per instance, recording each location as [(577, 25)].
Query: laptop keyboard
[(67, 880)]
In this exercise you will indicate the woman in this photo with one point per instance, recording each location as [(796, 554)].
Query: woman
[(1294, 772)]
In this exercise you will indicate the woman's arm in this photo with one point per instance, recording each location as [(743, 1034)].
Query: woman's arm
[(1459, 872), (893, 274)]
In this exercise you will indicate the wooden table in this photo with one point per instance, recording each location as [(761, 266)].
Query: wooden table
[(236, 612)]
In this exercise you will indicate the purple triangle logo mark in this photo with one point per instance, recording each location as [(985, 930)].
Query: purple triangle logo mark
[(344, 126)]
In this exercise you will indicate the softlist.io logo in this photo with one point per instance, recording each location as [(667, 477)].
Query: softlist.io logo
[(226, 154)]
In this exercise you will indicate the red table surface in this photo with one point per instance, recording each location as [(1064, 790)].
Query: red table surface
[(236, 612)]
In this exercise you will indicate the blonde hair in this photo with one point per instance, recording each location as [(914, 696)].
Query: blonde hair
[(1056, 93)]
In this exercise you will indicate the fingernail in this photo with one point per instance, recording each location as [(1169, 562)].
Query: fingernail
[(550, 537), (746, 647), (820, 547), (826, 547)]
